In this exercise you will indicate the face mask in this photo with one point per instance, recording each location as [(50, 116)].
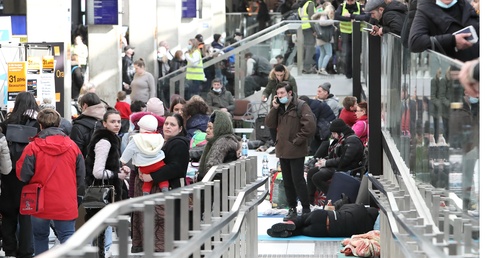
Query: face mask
[(284, 100), (473, 100), (217, 90), (445, 6), (189, 47), (222, 40)]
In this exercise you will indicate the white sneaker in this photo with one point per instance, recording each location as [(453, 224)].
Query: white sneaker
[(108, 254), (315, 207)]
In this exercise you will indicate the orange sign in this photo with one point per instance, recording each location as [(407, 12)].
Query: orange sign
[(17, 76), (34, 64), (48, 63)]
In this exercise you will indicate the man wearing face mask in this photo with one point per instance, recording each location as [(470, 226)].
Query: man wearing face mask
[(436, 21), (219, 41), (295, 124), (219, 98)]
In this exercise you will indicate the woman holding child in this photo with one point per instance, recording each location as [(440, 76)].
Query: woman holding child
[(176, 149)]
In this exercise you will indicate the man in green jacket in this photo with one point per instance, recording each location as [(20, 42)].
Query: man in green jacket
[(219, 98)]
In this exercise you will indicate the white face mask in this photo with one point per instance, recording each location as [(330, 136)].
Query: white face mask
[(445, 6), (217, 90), (222, 40)]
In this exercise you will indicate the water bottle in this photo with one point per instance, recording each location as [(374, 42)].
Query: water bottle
[(265, 166), (244, 146)]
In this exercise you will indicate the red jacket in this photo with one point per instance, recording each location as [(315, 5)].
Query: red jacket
[(124, 109), (52, 149), (348, 116)]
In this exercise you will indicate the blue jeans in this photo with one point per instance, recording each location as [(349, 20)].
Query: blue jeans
[(108, 238), (40, 230), (325, 54)]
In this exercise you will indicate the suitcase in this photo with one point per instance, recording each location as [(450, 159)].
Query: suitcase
[(262, 132), (343, 183)]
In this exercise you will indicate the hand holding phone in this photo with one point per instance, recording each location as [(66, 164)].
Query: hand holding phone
[(473, 38), (275, 102)]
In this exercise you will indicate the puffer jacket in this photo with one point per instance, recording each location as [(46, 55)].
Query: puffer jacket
[(270, 89), (293, 131), (5, 162), (347, 154), (84, 126)]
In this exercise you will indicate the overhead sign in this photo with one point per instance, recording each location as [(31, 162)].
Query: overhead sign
[(105, 12), (189, 8)]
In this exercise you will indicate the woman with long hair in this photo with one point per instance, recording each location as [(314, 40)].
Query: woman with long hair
[(177, 105), (361, 127), (17, 244), (103, 167)]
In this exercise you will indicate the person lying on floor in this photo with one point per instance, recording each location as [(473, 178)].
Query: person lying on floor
[(344, 221)]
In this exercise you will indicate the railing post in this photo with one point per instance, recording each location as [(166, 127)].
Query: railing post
[(375, 107), (356, 60), (299, 50)]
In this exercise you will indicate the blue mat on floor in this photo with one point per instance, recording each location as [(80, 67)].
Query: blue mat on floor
[(261, 215), (299, 238)]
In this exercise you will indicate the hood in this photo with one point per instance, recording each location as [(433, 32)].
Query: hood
[(397, 7), (96, 111), (149, 143), (52, 141), (331, 96), (222, 124), (287, 75)]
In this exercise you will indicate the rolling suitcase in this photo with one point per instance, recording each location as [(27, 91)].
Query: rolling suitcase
[(343, 183)]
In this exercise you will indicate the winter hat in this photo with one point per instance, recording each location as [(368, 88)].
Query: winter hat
[(326, 86), (155, 106), (338, 125), (373, 4), (148, 123)]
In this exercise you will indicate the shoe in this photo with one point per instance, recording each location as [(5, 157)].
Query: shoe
[(344, 200), (306, 72), (282, 234), (108, 254), (292, 214), (283, 226), (136, 249), (315, 207)]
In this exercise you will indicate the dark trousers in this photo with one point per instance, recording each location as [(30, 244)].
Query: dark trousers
[(318, 179), (254, 83), (17, 243), (294, 181), (347, 49), (313, 224)]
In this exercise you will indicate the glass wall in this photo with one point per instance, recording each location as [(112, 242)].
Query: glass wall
[(433, 123)]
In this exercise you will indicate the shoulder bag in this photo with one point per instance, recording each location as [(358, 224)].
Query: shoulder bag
[(32, 197)]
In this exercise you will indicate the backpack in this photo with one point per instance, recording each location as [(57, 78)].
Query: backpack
[(17, 137)]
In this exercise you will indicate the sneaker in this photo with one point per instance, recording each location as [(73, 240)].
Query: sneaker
[(292, 214), (283, 226), (136, 249), (282, 234)]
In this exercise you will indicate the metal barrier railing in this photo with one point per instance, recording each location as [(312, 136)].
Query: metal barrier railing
[(214, 218)]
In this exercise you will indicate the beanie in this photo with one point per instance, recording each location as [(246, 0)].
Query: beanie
[(155, 106), (338, 126), (148, 123)]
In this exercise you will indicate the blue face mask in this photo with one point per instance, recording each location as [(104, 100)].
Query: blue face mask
[(189, 47), (284, 100), (473, 100), (445, 6)]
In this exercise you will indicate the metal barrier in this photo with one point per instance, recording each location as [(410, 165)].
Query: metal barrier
[(225, 225)]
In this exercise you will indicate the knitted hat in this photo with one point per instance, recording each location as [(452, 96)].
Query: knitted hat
[(148, 123), (338, 126), (155, 106), (326, 86)]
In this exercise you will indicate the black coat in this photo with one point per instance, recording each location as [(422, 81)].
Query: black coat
[(176, 160), (113, 164), (432, 20), (351, 219), (83, 127), (393, 17), (348, 154), (324, 115)]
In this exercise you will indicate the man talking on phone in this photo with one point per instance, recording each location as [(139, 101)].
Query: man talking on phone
[(295, 123)]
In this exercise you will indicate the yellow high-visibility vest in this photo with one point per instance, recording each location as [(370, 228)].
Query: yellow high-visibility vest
[(195, 72), (303, 13), (346, 26)]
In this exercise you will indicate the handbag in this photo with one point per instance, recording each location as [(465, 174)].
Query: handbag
[(32, 197), (98, 196)]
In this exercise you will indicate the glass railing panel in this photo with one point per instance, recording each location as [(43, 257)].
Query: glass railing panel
[(433, 124)]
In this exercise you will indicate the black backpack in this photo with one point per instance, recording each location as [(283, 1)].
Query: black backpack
[(17, 137)]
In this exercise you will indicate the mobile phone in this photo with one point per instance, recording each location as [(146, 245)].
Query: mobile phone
[(368, 29), (277, 100), (470, 29)]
